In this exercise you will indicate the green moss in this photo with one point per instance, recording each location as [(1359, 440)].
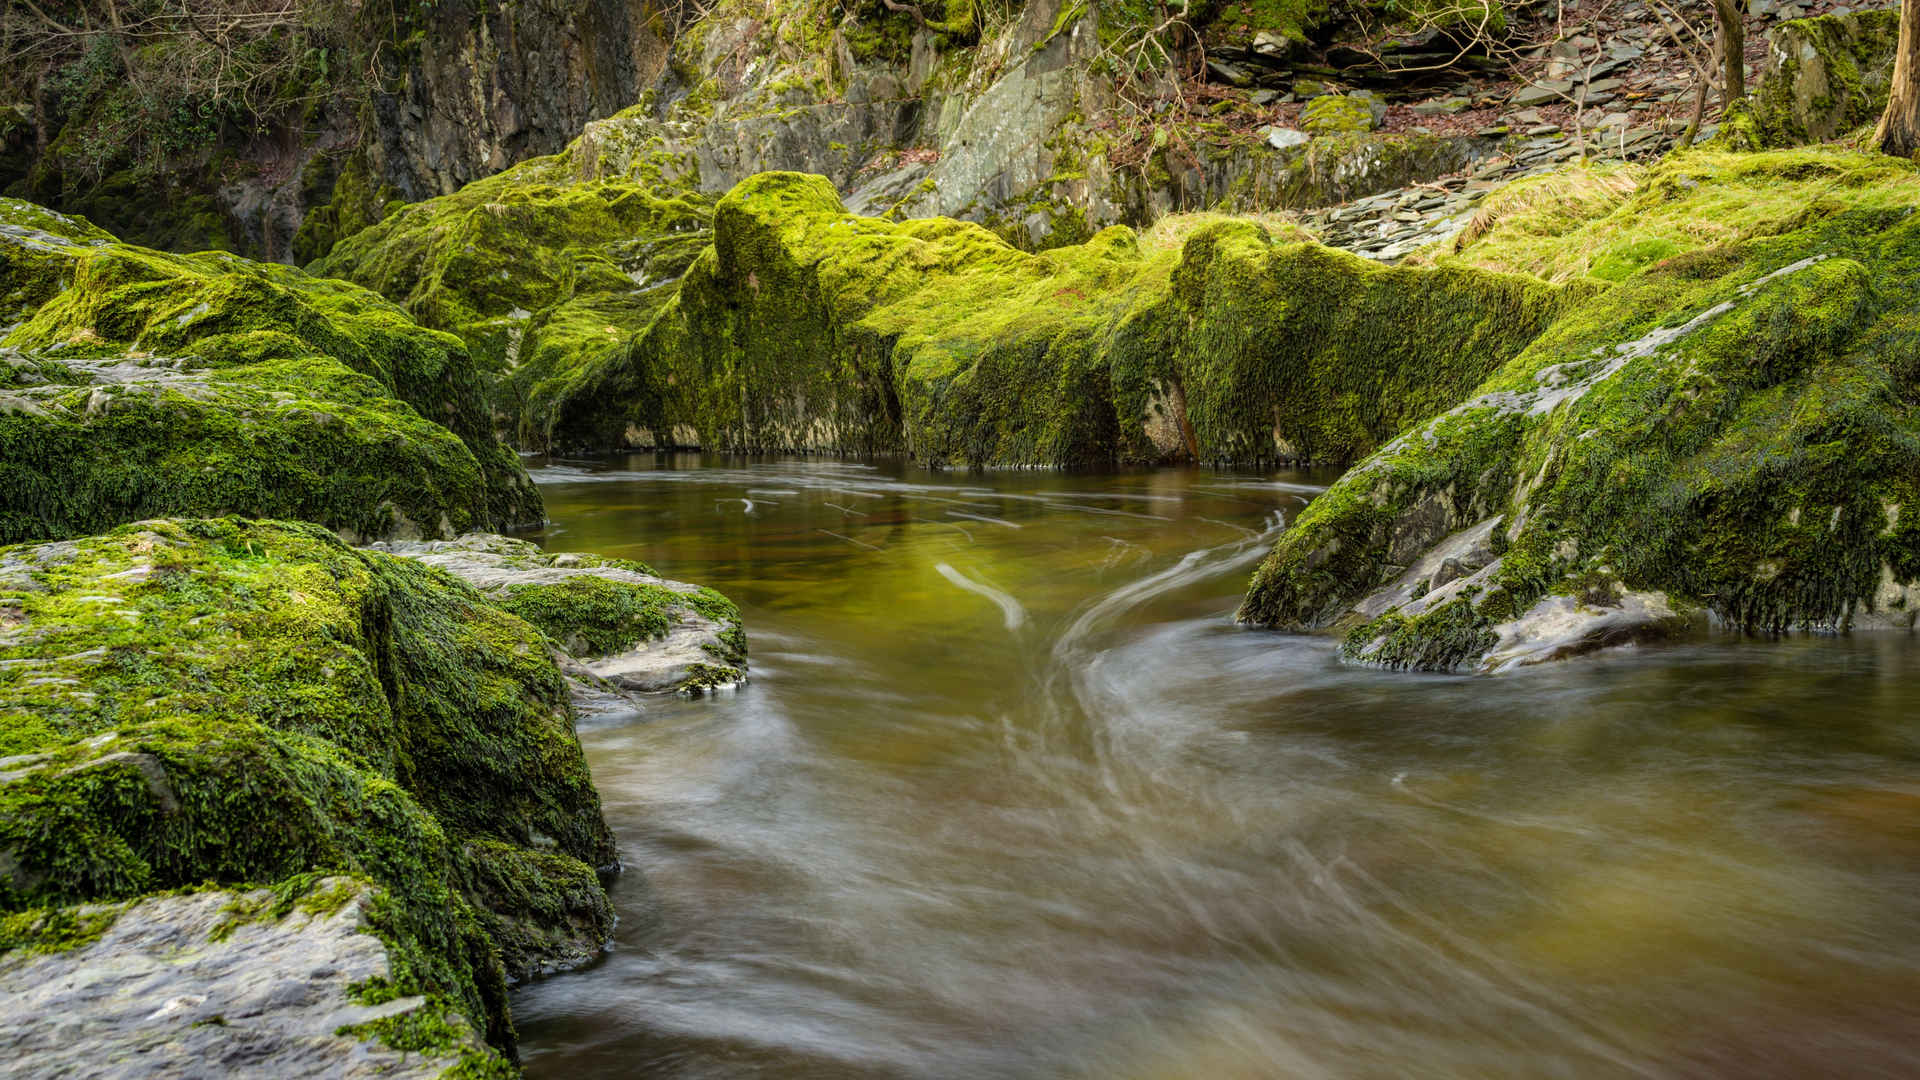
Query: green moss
[(1824, 76), (353, 201), (539, 272), (56, 929), (1439, 640), (286, 382), (435, 1029), (237, 702), (1335, 114), (1733, 426), (807, 328), (593, 616)]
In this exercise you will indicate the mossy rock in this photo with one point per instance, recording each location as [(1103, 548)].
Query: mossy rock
[(234, 701), (540, 270), (1825, 76), (140, 383), (1730, 429), (280, 981), (808, 328), (625, 629), (1336, 114)]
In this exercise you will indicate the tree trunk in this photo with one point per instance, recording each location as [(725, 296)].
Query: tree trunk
[(1732, 28), (1899, 130)]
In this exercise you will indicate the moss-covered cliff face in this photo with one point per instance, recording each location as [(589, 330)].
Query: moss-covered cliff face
[(1731, 428), (805, 327), (137, 383), (230, 701), (1005, 118)]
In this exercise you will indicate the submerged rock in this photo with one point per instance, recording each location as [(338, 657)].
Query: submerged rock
[(230, 701), (135, 383), (222, 983), (1727, 429), (622, 629)]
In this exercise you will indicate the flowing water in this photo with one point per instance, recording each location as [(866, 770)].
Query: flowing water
[(1009, 795)]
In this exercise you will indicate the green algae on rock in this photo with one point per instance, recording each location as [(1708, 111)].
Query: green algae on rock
[(232, 701), (1730, 430), (139, 383)]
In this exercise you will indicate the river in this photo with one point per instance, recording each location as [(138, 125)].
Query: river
[(1009, 795)]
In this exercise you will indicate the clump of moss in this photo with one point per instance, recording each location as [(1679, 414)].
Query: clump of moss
[(233, 701), (1334, 114), (539, 270)]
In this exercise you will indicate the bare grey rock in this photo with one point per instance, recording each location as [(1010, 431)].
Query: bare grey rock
[(1559, 627), (184, 986)]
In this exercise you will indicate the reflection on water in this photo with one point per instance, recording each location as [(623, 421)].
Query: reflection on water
[(1009, 796)]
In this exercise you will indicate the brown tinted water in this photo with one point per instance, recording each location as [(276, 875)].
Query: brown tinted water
[(1009, 795)]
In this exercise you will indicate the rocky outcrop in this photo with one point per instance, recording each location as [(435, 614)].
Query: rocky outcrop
[(135, 383), (1825, 76), (541, 270), (620, 629), (1727, 430), (807, 328), (221, 983), (241, 702), (340, 112)]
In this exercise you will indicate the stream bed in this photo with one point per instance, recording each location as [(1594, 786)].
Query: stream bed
[(1010, 795)]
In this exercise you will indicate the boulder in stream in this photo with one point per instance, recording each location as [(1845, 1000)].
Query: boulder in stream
[(191, 702), (1717, 430), (620, 629)]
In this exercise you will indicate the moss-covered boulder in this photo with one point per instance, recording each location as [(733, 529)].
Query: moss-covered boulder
[(1825, 76), (809, 328), (621, 628), (1730, 430), (137, 383), (540, 269), (233, 701)]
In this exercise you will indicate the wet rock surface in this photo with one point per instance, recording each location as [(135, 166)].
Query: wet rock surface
[(668, 636), (196, 986)]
